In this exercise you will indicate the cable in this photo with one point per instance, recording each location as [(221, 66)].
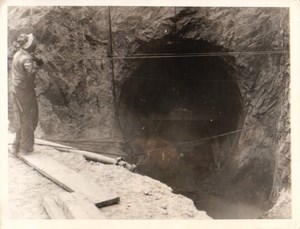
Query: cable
[(30, 20), (70, 148), (84, 140), (117, 118), (182, 55), (91, 145), (195, 141), (87, 142)]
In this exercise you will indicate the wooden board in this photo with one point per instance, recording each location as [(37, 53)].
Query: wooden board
[(69, 179), (78, 206), (71, 206), (53, 210)]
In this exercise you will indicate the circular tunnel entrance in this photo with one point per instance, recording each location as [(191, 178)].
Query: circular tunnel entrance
[(174, 110)]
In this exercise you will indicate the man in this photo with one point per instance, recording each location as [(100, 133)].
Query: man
[(24, 96)]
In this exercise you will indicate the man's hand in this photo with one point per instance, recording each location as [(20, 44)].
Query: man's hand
[(29, 67)]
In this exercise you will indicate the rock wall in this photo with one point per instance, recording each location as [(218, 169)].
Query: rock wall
[(80, 85), (75, 84), (262, 70)]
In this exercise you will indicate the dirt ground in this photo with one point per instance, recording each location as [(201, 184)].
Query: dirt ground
[(141, 197)]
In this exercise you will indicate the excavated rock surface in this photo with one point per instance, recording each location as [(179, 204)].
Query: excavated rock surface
[(283, 202), (263, 150), (75, 83), (80, 91)]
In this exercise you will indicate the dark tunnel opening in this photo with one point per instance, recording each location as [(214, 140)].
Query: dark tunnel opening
[(174, 110)]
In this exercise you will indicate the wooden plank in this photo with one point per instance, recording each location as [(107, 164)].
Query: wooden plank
[(69, 179), (52, 209), (78, 206), (89, 207), (71, 206)]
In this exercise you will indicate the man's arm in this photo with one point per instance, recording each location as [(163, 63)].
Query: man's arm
[(29, 66)]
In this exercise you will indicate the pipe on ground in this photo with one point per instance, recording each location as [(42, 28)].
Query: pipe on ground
[(91, 156)]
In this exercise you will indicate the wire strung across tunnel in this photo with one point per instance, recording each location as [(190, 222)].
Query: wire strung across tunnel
[(191, 55), (70, 148), (213, 54), (199, 140), (158, 149), (147, 153)]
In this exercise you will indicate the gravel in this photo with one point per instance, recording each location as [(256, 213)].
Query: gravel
[(141, 197)]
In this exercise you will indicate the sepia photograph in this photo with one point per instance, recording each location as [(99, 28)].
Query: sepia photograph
[(148, 112)]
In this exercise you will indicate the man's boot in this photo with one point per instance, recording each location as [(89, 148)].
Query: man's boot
[(14, 149)]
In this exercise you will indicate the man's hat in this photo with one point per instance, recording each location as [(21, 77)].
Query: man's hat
[(26, 40)]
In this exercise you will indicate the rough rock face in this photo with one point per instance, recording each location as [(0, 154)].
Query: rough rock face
[(264, 84), (283, 202), (75, 84), (81, 86)]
